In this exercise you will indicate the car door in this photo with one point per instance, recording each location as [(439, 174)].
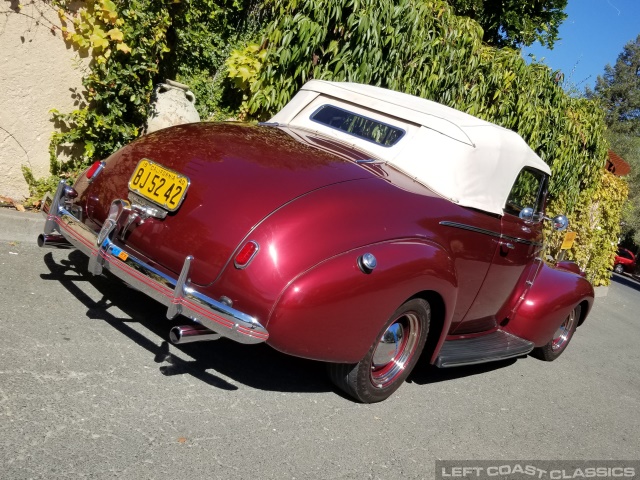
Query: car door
[(517, 258)]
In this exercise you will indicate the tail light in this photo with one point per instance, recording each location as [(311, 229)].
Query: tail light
[(94, 170), (246, 254)]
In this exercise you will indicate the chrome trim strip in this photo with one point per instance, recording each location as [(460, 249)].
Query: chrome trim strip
[(521, 240), (471, 228), (177, 294), (491, 233)]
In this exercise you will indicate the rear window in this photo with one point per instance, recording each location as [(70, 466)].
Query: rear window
[(358, 126)]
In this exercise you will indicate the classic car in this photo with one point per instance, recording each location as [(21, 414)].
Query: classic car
[(360, 227), (625, 261)]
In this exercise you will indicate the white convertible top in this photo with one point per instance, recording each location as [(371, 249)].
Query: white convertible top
[(467, 160)]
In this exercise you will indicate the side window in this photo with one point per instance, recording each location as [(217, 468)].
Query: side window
[(527, 191)]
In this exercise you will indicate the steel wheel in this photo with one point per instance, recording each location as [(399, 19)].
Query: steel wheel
[(390, 359), (561, 337)]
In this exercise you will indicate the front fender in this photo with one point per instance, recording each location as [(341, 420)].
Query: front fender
[(555, 292), (333, 311)]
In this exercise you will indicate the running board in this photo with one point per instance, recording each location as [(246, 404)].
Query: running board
[(498, 345)]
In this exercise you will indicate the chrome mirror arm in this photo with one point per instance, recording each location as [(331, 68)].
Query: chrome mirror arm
[(559, 223)]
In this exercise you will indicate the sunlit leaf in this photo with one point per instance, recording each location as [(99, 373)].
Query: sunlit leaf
[(116, 34)]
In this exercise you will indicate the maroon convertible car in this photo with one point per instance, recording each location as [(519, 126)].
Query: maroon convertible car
[(360, 227)]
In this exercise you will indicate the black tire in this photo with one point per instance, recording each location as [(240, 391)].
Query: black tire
[(561, 338), (618, 268), (390, 359)]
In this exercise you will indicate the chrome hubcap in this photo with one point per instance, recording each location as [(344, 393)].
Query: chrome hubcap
[(563, 334), (395, 348)]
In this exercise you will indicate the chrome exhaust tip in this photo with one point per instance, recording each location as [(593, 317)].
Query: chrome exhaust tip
[(53, 241), (191, 333)]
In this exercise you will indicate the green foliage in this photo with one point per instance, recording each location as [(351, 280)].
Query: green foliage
[(596, 220), (136, 44), (245, 64), (118, 86), (422, 48), (515, 23), (204, 33), (38, 187), (242, 68), (95, 27), (619, 91), (415, 46)]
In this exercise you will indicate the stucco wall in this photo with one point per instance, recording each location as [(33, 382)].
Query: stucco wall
[(36, 74)]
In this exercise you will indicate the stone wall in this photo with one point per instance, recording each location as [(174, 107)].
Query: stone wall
[(38, 72)]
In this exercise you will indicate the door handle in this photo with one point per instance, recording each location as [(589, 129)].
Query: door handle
[(508, 245)]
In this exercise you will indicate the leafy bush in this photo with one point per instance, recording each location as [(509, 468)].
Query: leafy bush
[(422, 48), (596, 220), (136, 44)]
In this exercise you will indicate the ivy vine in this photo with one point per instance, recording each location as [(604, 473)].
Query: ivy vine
[(135, 44)]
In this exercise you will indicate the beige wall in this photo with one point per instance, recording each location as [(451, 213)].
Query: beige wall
[(36, 74)]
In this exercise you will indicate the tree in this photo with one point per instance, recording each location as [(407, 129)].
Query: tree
[(515, 23), (619, 91)]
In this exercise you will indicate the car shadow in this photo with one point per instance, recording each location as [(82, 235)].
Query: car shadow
[(626, 280), (258, 366), (425, 374)]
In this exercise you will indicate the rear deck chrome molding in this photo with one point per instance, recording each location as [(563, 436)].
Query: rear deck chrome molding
[(177, 294)]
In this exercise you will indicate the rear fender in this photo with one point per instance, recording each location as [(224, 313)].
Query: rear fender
[(555, 292), (333, 311)]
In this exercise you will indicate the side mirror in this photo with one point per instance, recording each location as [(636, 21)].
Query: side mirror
[(560, 223), (526, 214)]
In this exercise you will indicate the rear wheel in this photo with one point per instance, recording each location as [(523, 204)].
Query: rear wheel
[(618, 268), (561, 338), (390, 359)]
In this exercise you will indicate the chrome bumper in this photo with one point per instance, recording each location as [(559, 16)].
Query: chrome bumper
[(177, 294)]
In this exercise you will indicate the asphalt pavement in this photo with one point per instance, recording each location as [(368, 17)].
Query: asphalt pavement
[(90, 388)]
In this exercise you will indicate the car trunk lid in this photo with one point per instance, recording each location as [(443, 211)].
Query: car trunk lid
[(238, 175)]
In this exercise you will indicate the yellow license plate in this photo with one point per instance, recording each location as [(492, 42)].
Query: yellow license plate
[(162, 186)]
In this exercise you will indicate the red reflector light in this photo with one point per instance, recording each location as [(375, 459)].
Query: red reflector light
[(94, 170), (246, 254)]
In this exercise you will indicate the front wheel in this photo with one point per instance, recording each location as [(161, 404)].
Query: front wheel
[(390, 359), (618, 268), (561, 338)]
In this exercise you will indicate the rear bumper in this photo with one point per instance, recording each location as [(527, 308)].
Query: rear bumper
[(176, 293)]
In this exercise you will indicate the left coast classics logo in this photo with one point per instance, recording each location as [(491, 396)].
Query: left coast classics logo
[(540, 469)]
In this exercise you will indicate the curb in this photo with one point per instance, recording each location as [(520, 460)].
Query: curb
[(23, 227), (601, 292)]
